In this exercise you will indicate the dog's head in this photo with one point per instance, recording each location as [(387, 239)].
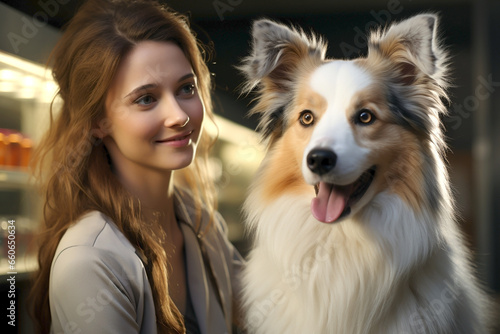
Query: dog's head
[(350, 128)]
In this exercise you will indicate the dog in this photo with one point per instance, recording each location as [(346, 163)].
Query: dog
[(350, 213)]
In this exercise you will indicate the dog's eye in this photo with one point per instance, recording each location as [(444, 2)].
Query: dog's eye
[(365, 117), (306, 118)]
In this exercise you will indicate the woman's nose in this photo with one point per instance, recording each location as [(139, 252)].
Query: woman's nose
[(174, 115)]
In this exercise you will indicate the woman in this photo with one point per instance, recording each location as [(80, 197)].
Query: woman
[(131, 242)]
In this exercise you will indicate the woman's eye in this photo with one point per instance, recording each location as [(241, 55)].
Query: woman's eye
[(145, 100), (188, 89), (365, 117), (306, 118)]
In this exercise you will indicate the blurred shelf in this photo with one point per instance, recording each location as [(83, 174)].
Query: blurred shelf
[(13, 178), (23, 268)]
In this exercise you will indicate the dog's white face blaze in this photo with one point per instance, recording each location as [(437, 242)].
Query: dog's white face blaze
[(338, 82)]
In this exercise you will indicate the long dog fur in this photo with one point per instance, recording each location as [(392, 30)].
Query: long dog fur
[(397, 263)]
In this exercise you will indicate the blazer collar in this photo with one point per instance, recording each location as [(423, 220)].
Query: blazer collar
[(208, 311)]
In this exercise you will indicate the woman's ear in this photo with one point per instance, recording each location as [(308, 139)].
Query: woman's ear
[(101, 128)]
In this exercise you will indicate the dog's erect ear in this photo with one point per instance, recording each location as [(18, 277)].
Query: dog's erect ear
[(414, 46), (416, 72), (276, 50), (276, 54)]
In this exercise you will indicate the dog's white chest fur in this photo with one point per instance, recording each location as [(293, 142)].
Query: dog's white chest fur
[(345, 278)]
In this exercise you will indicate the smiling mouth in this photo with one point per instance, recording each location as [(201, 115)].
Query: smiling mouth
[(333, 202), (180, 138)]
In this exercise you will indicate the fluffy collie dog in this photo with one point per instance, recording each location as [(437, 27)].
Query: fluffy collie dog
[(351, 211)]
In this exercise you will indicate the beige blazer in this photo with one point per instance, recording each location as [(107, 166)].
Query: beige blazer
[(98, 282)]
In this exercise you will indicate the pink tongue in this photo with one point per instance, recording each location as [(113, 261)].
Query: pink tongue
[(329, 203)]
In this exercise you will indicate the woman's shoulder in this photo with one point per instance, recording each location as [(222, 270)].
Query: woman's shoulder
[(95, 240), (95, 266), (95, 229)]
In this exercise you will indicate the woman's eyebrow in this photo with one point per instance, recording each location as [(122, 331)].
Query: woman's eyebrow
[(187, 76), (152, 85), (141, 88)]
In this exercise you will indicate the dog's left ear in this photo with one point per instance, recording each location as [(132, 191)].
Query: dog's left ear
[(413, 45), (277, 53)]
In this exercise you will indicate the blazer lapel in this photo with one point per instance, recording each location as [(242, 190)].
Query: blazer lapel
[(221, 275), (196, 277), (209, 314)]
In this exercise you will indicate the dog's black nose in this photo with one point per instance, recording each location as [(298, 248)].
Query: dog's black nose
[(321, 161)]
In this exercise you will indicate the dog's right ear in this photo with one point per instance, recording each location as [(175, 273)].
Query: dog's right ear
[(276, 54)]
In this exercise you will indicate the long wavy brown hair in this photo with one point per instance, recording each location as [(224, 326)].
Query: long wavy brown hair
[(72, 165)]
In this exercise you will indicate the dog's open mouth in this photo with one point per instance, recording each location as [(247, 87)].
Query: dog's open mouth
[(333, 202)]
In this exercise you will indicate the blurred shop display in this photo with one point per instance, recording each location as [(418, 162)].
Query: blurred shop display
[(26, 91), (236, 157), (15, 149)]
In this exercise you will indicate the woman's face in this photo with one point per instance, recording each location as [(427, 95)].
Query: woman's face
[(154, 114)]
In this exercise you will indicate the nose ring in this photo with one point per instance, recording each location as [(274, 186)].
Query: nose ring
[(185, 123)]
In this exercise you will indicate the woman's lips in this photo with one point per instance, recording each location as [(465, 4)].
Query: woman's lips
[(178, 140)]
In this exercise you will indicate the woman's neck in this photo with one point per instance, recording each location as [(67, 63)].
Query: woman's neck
[(155, 192)]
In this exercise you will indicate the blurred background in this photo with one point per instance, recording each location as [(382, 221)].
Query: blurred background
[(469, 28)]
